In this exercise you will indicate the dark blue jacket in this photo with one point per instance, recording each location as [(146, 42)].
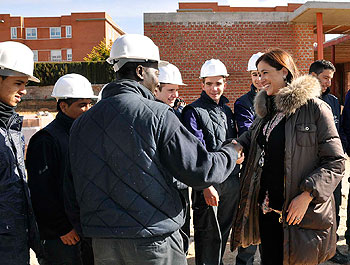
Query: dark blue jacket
[(334, 104), (123, 154), (244, 110), (46, 162), (18, 229), (345, 124)]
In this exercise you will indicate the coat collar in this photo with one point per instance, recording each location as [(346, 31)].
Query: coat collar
[(289, 98), (223, 100), (126, 86)]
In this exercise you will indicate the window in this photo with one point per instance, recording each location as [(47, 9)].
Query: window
[(56, 55), (31, 33), (68, 31), (35, 56), (69, 54), (13, 33), (55, 33)]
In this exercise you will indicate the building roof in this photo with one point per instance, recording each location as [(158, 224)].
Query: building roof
[(336, 15)]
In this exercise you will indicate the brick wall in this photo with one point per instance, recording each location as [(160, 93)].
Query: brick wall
[(189, 44)]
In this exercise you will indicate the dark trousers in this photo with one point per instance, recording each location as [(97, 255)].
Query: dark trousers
[(212, 224), (160, 250), (271, 234), (57, 253)]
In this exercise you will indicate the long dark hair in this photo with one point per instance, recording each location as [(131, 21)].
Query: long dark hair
[(278, 58)]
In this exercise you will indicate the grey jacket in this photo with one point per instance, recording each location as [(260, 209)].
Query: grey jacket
[(314, 162)]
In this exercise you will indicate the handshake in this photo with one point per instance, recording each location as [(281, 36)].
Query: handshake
[(239, 149)]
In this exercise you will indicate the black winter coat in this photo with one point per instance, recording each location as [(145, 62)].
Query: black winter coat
[(46, 162), (123, 154), (18, 229)]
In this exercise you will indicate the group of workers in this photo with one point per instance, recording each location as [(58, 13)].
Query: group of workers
[(108, 184)]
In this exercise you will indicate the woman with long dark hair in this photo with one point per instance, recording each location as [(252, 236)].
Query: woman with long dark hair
[(294, 162)]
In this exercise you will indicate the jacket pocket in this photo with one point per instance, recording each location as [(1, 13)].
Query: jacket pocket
[(318, 216), (306, 134)]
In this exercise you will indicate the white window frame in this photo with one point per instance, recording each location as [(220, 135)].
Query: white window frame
[(69, 55), (13, 33), (55, 32), (68, 31), (31, 33), (36, 55), (56, 55)]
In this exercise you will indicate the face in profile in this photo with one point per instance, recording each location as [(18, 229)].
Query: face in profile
[(271, 79), (150, 77), (214, 87), (12, 88)]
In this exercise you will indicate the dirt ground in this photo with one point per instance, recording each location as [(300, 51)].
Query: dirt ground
[(229, 258)]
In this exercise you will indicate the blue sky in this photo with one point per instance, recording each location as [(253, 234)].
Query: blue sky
[(127, 14)]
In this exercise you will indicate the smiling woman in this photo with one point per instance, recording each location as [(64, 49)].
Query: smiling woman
[(284, 181)]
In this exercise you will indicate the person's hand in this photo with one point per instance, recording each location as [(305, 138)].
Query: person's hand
[(240, 158), (297, 208), (239, 149), (211, 196), (70, 238)]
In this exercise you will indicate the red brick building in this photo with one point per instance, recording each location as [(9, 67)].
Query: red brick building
[(65, 38), (200, 31)]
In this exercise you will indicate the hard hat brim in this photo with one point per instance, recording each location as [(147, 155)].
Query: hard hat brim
[(10, 72)]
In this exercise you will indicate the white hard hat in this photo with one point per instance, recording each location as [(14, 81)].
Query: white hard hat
[(170, 74), (16, 59), (133, 48), (213, 67), (252, 61), (72, 86)]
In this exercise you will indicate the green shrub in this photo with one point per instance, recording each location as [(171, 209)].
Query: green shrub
[(95, 72)]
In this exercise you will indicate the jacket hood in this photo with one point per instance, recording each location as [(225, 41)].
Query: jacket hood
[(289, 98)]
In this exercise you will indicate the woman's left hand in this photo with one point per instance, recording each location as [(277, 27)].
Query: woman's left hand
[(297, 208)]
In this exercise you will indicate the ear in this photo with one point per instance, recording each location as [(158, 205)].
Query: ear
[(314, 74), (63, 107), (202, 83), (156, 91), (284, 71), (140, 72)]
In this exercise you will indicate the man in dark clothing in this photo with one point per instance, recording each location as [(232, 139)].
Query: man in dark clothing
[(46, 162), (244, 116), (345, 137), (167, 92), (18, 229), (123, 155), (212, 122), (324, 71)]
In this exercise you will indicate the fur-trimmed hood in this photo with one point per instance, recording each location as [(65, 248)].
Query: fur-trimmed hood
[(291, 97)]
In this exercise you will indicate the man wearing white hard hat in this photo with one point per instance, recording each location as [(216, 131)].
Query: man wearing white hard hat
[(46, 162), (169, 81), (168, 92), (244, 116), (18, 229), (212, 122), (244, 106), (123, 155)]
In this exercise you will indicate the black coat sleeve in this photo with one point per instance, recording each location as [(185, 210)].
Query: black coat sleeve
[(45, 180), (185, 157), (70, 202)]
